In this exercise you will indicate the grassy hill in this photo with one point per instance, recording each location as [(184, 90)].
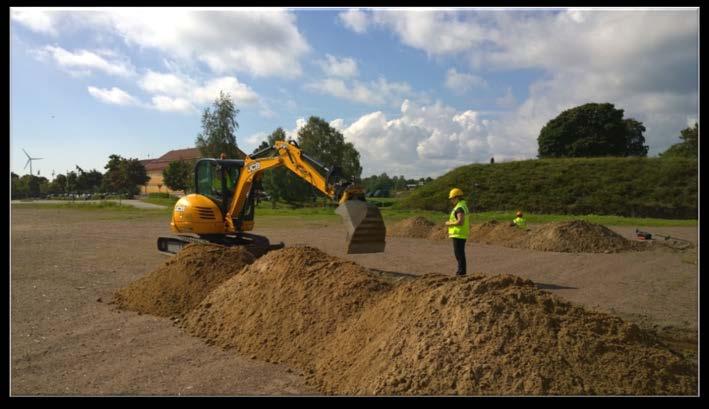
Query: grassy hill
[(633, 187)]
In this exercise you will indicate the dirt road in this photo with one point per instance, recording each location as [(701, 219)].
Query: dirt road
[(66, 264)]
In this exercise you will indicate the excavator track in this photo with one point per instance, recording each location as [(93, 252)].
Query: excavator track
[(257, 245)]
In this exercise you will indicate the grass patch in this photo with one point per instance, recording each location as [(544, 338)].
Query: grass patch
[(318, 216), (104, 210), (630, 187), (161, 201)]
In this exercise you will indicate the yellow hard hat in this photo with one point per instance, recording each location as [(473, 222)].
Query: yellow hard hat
[(455, 192)]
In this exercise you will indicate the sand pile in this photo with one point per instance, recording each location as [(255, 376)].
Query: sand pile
[(494, 335), (183, 281), (579, 236), (494, 232), (285, 304), (352, 331), (576, 236), (416, 227)]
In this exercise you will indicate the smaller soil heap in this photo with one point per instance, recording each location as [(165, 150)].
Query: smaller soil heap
[(576, 236), (579, 236), (183, 281), (415, 227)]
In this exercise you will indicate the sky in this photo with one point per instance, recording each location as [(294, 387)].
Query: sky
[(417, 91)]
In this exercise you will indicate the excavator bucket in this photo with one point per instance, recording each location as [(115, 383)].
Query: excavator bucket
[(365, 227)]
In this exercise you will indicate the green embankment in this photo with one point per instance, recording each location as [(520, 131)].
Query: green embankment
[(630, 187)]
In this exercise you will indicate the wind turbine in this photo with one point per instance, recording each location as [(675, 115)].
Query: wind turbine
[(29, 161)]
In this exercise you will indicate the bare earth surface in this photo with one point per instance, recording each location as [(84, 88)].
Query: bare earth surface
[(67, 339)]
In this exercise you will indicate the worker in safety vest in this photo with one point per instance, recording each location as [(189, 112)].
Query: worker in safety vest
[(519, 221), (217, 180), (459, 227)]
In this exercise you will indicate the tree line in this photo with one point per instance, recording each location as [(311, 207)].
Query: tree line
[(123, 176)]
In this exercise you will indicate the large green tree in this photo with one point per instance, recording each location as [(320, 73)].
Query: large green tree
[(688, 148), (327, 145), (320, 141), (280, 183), (124, 175), (219, 126), (88, 182), (592, 130), (179, 175)]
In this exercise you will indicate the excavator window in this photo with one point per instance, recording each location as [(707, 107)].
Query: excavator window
[(216, 181)]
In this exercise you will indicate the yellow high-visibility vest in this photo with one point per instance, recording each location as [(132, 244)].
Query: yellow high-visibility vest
[(459, 232), (520, 222)]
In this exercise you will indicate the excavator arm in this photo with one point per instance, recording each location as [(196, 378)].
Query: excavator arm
[(363, 222)]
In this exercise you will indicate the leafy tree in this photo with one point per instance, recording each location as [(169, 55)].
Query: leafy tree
[(58, 185), (327, 145), (218, 128), (319, 141), (635, 141), (71, 182), (178, 175), (592, 130), (124, 175), (688, 148), (88, 182), (281, 183)]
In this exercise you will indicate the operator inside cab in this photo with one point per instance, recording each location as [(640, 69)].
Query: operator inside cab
[(229, 177)]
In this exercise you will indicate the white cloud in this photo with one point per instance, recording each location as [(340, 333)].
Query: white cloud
[(435, 31), (343, 67), (85, 62), (169, 104), (240, 92), (179, 93), (508, 100), (462, 82), (261, 42), (425, 140), (40, 21), (373, 93), (114, 96), (643, 61), (355, 20), (293, 133)]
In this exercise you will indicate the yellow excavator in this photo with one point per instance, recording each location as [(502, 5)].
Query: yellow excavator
[(222, 209)]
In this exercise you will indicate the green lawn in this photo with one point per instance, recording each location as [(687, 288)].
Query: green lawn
[(108, 210), (161, 201)]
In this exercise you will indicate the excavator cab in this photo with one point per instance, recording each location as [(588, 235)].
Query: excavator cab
[(216, 179)]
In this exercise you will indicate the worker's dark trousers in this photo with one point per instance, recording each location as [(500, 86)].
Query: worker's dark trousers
[(459, 250)]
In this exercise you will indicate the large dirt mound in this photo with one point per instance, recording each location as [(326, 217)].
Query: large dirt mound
[(352, 331), (183, 281), (416, 227), (579, 236), (286, 303), (493, 335)]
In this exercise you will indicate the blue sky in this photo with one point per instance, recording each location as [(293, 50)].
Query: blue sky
[(417, 91)]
